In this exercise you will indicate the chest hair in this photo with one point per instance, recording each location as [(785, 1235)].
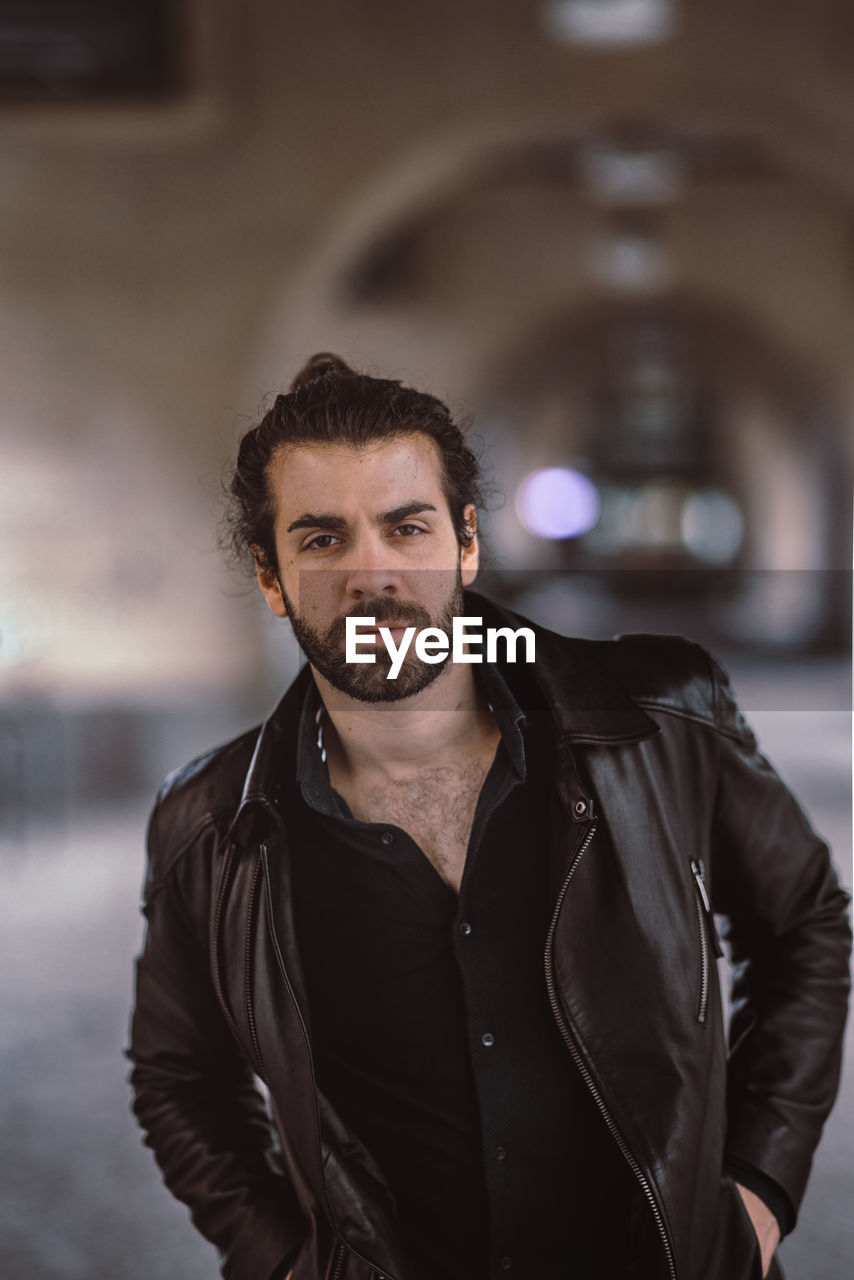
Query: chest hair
[(435, 807)]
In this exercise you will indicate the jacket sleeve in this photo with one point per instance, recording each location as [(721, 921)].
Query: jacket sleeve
[(790, 939), (195, 1096)]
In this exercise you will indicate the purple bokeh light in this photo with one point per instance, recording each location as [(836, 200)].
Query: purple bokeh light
[(558, 502)]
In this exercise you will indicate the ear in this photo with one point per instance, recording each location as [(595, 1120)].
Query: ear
[(470, 555), (268, 581)]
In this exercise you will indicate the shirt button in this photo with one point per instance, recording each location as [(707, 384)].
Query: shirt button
[(386, 837), (465, 928), (487, 1038), (500, 1153), (506, 1263)]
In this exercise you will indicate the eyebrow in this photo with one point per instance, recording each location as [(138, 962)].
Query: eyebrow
[(312, 520)]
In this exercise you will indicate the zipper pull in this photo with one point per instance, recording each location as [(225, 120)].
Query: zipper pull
[(697, 869), (700, 881)]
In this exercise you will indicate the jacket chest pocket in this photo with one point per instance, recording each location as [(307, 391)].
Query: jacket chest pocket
[(709, 944)]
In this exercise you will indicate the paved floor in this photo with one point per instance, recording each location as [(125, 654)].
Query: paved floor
[(81, 1199)]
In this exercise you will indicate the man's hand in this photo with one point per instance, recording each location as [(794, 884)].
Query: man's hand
[(764, 1224)]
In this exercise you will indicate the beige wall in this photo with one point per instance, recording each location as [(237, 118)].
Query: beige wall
[(163, 269)]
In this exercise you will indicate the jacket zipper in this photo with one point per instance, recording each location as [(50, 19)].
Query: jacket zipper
[(220, 906), (250, 1012), (339, 1259), (338, 1268), (704, 909), (583, 1069)]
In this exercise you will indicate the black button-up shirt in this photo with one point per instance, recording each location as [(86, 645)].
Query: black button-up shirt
[(431, 1025)]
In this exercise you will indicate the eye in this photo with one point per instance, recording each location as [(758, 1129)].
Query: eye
[(322, 542), (407, 530)]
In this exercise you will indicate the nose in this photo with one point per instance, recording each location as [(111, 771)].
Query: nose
[(366, 583), (372, 575)]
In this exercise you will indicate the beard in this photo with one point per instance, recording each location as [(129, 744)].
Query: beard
[(368, 682)]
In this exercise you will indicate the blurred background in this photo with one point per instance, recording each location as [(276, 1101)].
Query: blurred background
[(619, 234)]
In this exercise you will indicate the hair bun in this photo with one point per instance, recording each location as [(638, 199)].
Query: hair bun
[(318, 366)]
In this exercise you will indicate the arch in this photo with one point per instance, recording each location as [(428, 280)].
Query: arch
[(426, 177)]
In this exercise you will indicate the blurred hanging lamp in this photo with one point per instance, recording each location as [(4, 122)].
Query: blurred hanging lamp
[(610, 23)]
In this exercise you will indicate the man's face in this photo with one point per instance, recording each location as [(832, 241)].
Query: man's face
[(365, 532)]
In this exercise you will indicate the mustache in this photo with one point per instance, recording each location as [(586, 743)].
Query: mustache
[(386, 611)]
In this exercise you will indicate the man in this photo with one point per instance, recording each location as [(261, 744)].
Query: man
[(460, 922)]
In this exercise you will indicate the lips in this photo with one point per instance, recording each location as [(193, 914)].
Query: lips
[(395, 631)]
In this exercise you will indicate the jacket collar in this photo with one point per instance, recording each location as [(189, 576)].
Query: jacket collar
[(274, 756), (570, 680), (586, 702)]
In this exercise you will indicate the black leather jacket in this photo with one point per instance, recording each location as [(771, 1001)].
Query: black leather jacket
[(663, 807)]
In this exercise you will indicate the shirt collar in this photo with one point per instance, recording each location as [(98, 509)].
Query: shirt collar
[(311, 771), (509, 716)]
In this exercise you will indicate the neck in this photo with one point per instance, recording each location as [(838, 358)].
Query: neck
[(446, 721)]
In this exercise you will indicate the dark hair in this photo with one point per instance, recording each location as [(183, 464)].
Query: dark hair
[(330, 404)]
